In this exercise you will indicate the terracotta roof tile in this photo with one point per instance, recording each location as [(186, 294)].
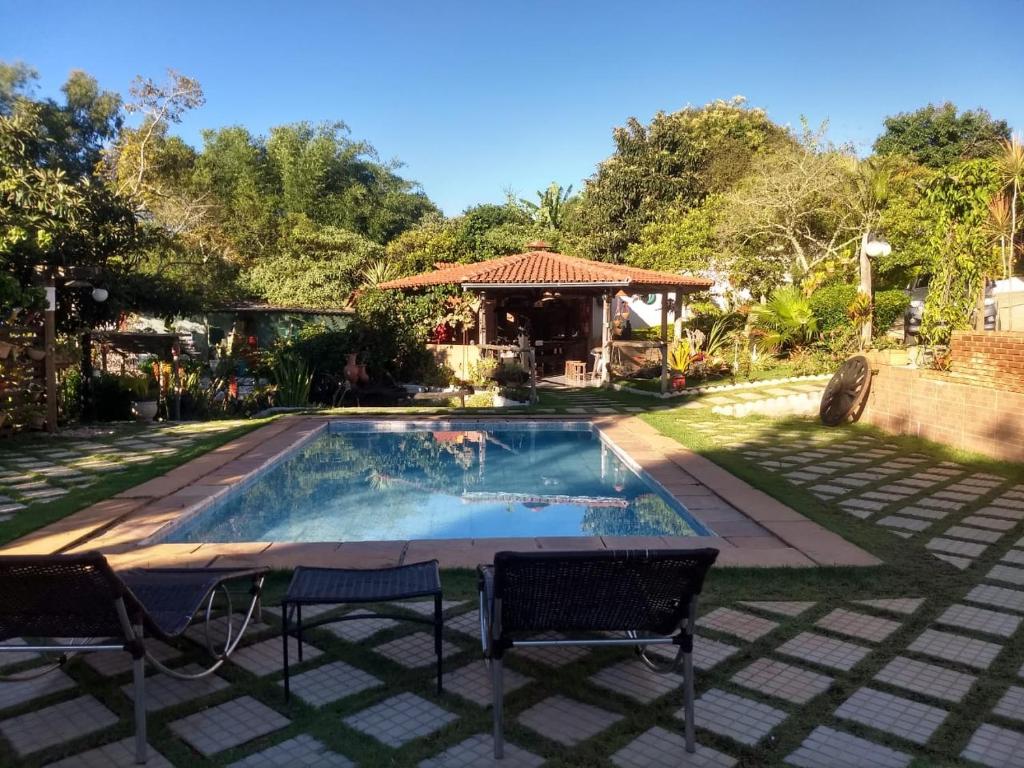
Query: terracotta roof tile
[(546, 268)]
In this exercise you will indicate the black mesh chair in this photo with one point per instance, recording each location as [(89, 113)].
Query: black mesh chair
[(647, 596), (83, 605)]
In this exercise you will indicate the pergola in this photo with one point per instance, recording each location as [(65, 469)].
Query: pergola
[(539, 276)]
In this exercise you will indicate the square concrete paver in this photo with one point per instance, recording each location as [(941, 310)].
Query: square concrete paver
[(788, 608), (828, 748), (15, 694), (707, 653), (901, 605), (783, 681), (741, 719), (826, 651), (54, 725), (550, 655), (303, 750), (995, 747), (567, 721), (1011, 705), (265, 658), (955, 547), (659, 748), (478, 751), (113, 663), (118, 754), (973, 534), (979, 620), (635, 680), (415, 650), (228, 725), (927, 679), (1000, 597), (163, 691), (426, 607), (952, 647), (400, 719), (358, 630), (465, 623), (862, 626), (901, 717), (737, 623), (473, 682), (1006, 574), (331, 682)]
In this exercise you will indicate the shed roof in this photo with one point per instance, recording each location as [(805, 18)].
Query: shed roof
[(547, 269)]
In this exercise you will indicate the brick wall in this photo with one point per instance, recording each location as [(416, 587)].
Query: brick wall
[(988, 359), (984, 419)]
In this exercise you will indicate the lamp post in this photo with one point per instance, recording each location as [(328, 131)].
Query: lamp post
[(871, 247)]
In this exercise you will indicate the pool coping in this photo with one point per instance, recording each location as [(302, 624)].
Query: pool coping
[(754, 528)]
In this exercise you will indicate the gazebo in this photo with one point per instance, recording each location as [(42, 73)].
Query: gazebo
[(561, 304)]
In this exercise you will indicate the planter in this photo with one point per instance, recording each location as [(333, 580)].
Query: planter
[(5, 349), (144, 410), (36, 354), (896, 357), (37, 421), (500, 401), (677, 381)]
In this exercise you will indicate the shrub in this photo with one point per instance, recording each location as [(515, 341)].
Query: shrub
[(786, 321), (293, 380), (890, 306), (831, 306), (109, 398)]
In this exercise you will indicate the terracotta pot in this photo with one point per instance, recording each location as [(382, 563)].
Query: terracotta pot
[(5, 349), (678, 381), (364, 377), (351, 370), (36, 354)]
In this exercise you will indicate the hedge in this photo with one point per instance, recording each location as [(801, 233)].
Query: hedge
[(830, 303)]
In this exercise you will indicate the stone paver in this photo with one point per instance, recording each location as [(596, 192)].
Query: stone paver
[(550, 655), (635, 680), (415, 650), (659, 748), (859, 625), (400, 719), (905, 523), (781, 607), (118, 754), (955, 547), (1000, 597), (826, 651), (741, 719), (228, 725), (902, 605), (478, 752), (163, 691), (995, 747), (303, 750), (783, 681), (992, 523), (737, 623), (47, 727), (947, 646), (927, 679), (465, 623), (359, 630), (15, 694), (901, 717), (331, 682), (979, 620), (1011, 705), (473, 682), (114, 663), (265, 658), (1006, 574), (828, 748), (973, 534), (567, 721)]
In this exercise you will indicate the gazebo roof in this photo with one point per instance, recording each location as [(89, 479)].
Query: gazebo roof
[(546, 269)]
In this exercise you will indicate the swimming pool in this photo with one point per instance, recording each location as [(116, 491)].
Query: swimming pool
[(377, 480)]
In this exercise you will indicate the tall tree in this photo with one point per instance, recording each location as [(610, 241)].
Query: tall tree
[(938, 135)]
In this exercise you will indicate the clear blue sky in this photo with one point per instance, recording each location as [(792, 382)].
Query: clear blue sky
[(476, 97)]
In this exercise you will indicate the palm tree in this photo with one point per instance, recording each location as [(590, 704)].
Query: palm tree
[(1011, 171), (380, 272), (550, 211), (785, 320)]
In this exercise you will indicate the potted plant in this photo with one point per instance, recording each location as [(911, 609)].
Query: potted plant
[(512, 396), (680, 356), (145, 397)]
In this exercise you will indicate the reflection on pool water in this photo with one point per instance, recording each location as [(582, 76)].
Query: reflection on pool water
[(371, 481)]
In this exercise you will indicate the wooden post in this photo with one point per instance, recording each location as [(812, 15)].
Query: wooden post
[(606, 339), (50, 344), (664, 342), (865, 288)]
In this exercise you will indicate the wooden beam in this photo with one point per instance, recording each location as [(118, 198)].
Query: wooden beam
[(606, 339), (50, 347), (664, 342)]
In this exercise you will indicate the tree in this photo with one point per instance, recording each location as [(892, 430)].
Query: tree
[(936, 136), (678, 159), (1010, 167), (551, 206)]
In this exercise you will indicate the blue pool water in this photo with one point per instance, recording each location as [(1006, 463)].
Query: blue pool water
[(369, 481)]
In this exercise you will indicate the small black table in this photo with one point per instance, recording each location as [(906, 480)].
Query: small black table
[(335, 586)]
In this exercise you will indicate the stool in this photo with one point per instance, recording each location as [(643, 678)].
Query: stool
[(337, 586), (576, 372)]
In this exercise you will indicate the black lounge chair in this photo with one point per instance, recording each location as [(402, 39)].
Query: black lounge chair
[(81, 599), (649, 596)]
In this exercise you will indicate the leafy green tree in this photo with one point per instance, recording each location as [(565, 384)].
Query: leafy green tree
[(680, 239), (678, 159), (420, 248), (551, 207), (938, 135)]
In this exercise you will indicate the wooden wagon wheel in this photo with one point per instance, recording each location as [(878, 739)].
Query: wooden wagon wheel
[(846, 392)]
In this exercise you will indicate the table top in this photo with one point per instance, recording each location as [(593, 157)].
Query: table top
[(351, 585)]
